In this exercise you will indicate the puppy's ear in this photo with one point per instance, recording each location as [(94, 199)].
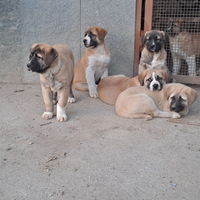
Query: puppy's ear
[(166, 76), (191, 95), (169, 90), (101, 33), (142, 76), (165, 37), (34, 46), (144, 38), (50, 55), (88, 28)]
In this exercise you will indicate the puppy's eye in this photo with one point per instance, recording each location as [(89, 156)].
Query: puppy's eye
[(159, 78), (39, 57), (181, 99), (158, 40), (173, 98), (149, 79), (92, 35)]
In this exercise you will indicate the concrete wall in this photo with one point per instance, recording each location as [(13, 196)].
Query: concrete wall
[(10, 41), (24, 22)]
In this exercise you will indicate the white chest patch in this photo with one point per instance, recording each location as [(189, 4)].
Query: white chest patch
[(156, 62), (99, 61)]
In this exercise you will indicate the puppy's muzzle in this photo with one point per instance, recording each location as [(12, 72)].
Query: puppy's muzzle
[(152, 47), (85, 41), (176, 107), (155, 86), (28, 66)]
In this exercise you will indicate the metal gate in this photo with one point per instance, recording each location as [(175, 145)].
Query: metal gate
[(180, 19)]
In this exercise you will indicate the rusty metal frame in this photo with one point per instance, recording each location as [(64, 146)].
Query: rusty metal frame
[(148, 15), (137, 37), (139, 32)]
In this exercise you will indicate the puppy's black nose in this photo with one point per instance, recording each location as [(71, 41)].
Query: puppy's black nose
[(152, 46), (84, 41), (29, 64), (173, 108), (155, 86)]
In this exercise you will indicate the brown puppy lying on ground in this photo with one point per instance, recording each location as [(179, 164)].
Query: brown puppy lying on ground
[(93, 66), (55, 64), (111, 86), (139, 102)]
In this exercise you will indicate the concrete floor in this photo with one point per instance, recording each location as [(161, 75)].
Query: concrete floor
[(95, 154)]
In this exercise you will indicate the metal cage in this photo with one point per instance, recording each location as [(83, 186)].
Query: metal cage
[(180, 19)]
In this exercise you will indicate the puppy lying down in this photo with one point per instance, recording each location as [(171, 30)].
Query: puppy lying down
[(171, 102), (111, 86)]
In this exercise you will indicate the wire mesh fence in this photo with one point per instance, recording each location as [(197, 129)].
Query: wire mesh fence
[(180, 19)]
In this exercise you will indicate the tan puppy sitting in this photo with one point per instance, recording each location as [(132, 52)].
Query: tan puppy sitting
[(55, 64), (153, 55), (139, 102), (111, 86), (93, 66)]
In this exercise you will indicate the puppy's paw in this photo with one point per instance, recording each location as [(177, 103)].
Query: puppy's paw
[(47, 115), (62, 118), (148, 117), (61, 114), (71, 100), (94, 95), (176, 115)]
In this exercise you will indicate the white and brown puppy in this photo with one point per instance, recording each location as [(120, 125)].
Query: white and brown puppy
[(171, 102), (110, 87), (153, 54), (55, 65), (93, 66), (183, 45)]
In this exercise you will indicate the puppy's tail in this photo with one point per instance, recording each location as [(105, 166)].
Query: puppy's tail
[(80, 86)]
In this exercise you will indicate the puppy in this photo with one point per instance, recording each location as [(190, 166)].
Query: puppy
[(153, 55), (183, 45), (139, 102), (110, 87), (55, 65), (93, 66)]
